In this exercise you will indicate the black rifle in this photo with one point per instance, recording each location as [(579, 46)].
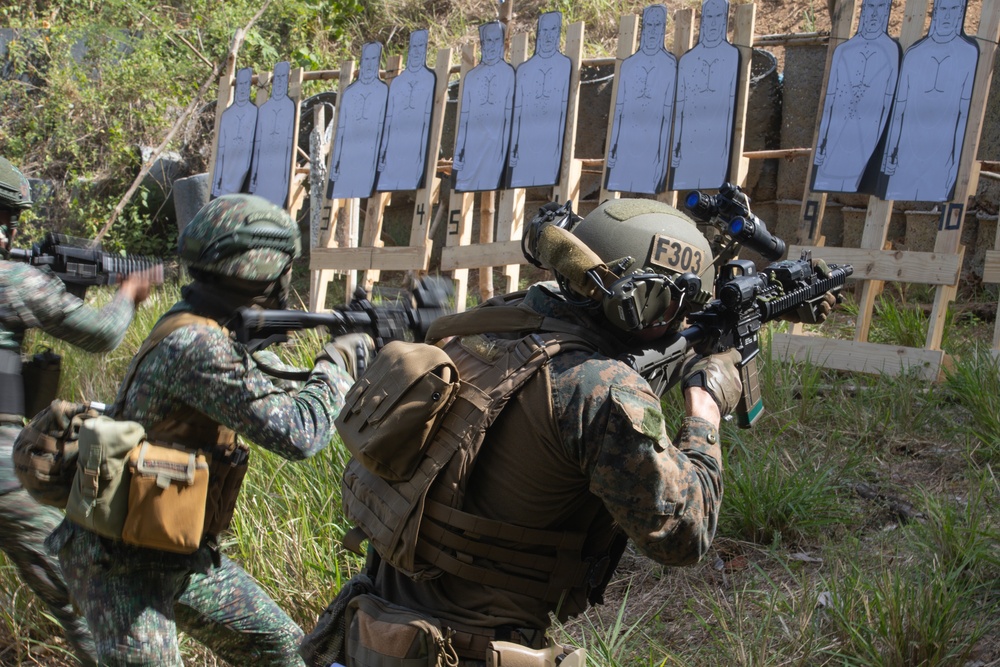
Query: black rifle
[(745, 299), (258, 328), (80, 263)]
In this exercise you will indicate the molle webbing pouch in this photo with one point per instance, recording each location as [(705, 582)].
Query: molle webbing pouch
[(41, 380), (415, 524), (381, 634), (46, 450), (395, 408), (226, 470), (99, 496), (227, 461), (166, 498)]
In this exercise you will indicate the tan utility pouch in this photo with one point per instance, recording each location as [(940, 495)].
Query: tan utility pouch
[(392, 412), (166, 499), (381, 634), (99, 496), (46, 450)]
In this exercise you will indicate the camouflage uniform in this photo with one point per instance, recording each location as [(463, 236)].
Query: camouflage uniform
[(34, 298), (582, 447), (136, 599)]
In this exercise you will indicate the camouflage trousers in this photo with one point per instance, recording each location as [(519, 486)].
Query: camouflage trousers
[(24, 525), (135, 600)]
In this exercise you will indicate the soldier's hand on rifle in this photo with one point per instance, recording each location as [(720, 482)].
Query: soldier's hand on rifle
[(817, 310), (351, 352), (718, 376), (136, 286)]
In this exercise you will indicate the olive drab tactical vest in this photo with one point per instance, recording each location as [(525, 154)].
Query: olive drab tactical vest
[(406, 498)]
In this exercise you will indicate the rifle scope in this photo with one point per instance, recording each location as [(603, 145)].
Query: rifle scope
[(741, 224)]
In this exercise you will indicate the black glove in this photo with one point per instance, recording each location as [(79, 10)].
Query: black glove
[(817, 310), (351, 352), (717, 374)]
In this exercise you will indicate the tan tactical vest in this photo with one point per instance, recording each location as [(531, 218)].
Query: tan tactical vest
[(413, 516)]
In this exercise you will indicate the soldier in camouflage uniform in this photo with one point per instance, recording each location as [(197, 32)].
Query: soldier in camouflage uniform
[(583, 448), (33, 298), (239, 251)]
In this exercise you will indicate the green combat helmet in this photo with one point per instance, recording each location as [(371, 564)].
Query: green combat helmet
[(15, 192), (240, 236), (661, 241)]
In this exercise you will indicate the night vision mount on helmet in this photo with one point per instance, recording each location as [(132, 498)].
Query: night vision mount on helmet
[(637, 258)]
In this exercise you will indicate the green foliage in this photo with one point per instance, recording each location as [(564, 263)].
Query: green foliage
[(899, 617), (975, 382), (775, 496)]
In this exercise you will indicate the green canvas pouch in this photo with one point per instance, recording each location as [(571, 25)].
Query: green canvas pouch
[(98, 500)]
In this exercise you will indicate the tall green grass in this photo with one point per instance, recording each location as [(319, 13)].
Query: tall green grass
[(803, 572)]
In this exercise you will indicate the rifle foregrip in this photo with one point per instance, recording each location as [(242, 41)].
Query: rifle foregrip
[(771, 309)]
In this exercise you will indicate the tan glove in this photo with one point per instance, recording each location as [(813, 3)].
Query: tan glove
[(817, 310), (717, 374), (352, 352)]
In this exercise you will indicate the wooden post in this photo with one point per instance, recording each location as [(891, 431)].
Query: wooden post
[(814, 203), (371, 234), (949, 236), (628, 31), (879, 211), (510, 212), (431, 190), (332, 235), (459, 231), (683, 41), (746, 16), (569, 173)]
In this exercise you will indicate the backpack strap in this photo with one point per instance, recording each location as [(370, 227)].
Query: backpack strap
[(184, 427)]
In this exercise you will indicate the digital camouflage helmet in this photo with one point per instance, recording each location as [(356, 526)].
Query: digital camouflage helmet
[(240, 236), (15, 192), (635, 257)]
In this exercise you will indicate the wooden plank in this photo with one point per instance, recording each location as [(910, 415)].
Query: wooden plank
[(429, 193), (814, 203), (628, 31), (570, 170), (991, 267), (683, 41), (859, 357), (402, 258), (509, 210), (371, 233), (338, 214), (873, 237), (746, 16), (296, 189), (477, 255), (929, 268), (949, 238), (459, 223)]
